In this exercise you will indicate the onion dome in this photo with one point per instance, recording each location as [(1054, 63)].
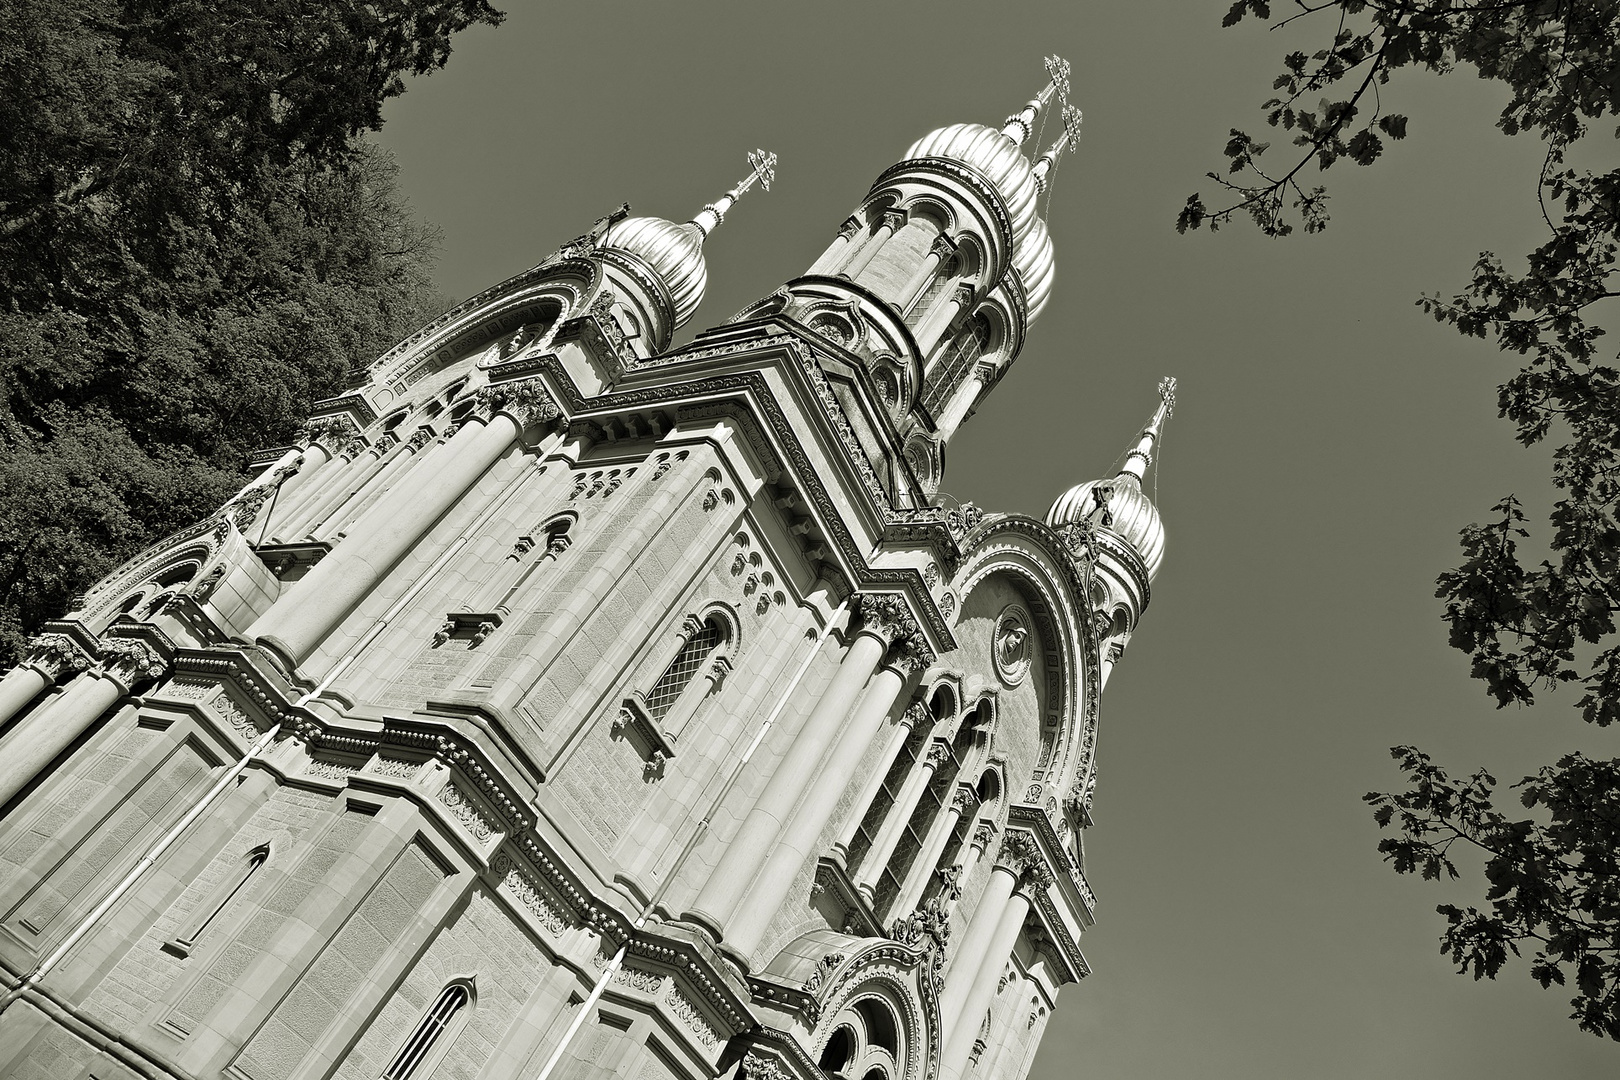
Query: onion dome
[(994, 154), (999, 157), (674, 253), (1036, 267), (1130, 514)]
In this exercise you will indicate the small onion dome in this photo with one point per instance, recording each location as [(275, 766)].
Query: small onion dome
[(995, 155), (1135, 518), (673, 252), (1131, 514), (1036, 266)]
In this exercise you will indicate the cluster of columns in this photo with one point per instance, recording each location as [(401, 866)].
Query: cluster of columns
[(759, 865), (100, 681), (1019, 875), (307, 611)]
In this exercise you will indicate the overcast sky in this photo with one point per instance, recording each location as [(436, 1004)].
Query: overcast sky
[(1329, 440)]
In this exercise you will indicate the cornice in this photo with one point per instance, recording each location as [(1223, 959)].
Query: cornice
[(752, 388)]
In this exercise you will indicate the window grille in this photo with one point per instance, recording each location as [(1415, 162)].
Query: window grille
[(427, 1032), (953, 367), (687, 663)]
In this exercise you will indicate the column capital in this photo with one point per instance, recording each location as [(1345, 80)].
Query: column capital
[(942, 248), (888, 617), (127, 661), (849, 228), (984, 834), (525, 400), (719, 668), (893, 220), (1021, 854), (419, 438), (916, 713), (964, 799), (939, 752), (52, 654)]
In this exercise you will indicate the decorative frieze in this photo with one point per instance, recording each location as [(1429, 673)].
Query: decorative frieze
[(129, 661), (695, 1021), (532, 895), (464, 810)]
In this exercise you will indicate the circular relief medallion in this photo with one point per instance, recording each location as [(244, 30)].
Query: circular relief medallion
[(1012, 645)]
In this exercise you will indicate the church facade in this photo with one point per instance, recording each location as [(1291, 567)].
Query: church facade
[(569, 705)]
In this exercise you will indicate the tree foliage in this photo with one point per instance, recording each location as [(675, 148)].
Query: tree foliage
[(195, 244), (1527, 625)]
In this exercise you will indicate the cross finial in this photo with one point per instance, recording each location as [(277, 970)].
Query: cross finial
[(1066, 141), (762, 168), (1167, 392), (1022, 123)]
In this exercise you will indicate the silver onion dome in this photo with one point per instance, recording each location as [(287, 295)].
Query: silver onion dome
[(1131, 514)]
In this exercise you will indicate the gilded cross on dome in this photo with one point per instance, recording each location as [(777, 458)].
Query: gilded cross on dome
[(762, 168)]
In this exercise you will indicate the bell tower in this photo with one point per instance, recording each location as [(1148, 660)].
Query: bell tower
[(563, 704)]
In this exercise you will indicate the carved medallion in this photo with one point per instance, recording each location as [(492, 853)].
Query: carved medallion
[(1012, 645)]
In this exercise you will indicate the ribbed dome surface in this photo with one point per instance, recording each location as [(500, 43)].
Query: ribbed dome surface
[(1000, 159), (674, 252), (1136, 519), (1036, 265)]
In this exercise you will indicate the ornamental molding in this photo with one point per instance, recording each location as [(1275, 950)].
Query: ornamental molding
[(527, 401), (907, 973), (466, 811), (535, 898), (129, 662), (752, 388), (197, 542), (55, 653)]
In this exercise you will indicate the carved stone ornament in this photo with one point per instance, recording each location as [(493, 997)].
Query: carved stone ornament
[(1012, 648), (205, 586), (886, 615), (964, 800), (963, 518), (526, 400), (983, 834), (756, 1067), (927, 930), (938, 754), (916, 713), (824, 968), (419, 438), (54, 654), (131, 661), (1019, 851)]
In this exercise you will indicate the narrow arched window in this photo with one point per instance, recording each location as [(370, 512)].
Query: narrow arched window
[(688, 662), (223, 896), (434, 1029)]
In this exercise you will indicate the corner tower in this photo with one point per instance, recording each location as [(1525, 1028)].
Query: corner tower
[(565, 705)]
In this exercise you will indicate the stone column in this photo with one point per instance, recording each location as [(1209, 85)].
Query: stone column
[(49, 655), (303, 615), (962, 400), (1032, 878), (36, 742), (942, 249), (803, 829), (294, 488), (407, 453), (916, 713), (1019, 872), (922, 868), (837, 251), (984, 833), (887, 226), (894, 824), (883, 618), (939, 320), (336, 486)]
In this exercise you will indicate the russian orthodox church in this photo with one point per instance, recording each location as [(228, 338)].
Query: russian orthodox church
[(566, 704)]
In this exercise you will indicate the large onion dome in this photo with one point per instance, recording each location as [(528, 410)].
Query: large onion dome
[(1134, 518), (674, 253), (994, 154)]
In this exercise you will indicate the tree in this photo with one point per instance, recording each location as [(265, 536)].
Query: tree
[(195, 244), (1527, 626)]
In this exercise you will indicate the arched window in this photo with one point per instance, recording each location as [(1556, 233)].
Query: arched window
[(866, 1042), (208, 913), (687, 663), (432, 1032), (953, 367)]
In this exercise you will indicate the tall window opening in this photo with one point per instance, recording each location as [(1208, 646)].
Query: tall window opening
[(429, 1033), (953, 367), (687, 663), (209, 913)]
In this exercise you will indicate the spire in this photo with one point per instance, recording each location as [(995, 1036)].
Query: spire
[(763, 169), (1022, 124), (1066, 141), (1141, 455)]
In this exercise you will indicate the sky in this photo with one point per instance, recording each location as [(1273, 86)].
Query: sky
[(1328, 442)]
